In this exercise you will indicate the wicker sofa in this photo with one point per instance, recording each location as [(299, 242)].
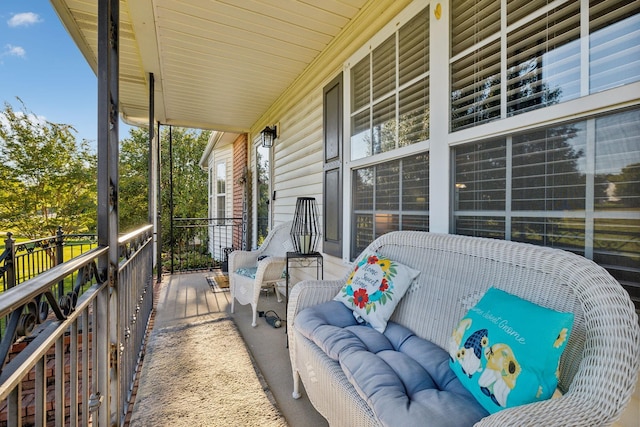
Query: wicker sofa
[(599, 366)]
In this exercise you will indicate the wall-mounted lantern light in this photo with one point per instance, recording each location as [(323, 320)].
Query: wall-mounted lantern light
[(269, 134)]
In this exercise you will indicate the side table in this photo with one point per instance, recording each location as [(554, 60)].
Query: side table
[(291, 256)]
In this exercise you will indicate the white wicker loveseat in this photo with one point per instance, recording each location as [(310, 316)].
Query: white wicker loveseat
[(599, 366)]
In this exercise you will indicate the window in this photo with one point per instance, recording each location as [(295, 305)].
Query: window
[(573, 186), (390, 196), (263, 188), (543, 65), (614, 43), (221, 184), (538, 53), (389, 110), (390, 92)]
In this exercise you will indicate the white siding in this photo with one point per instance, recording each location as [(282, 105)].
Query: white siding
[(298, 152)]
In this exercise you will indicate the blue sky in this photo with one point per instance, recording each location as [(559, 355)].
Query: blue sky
[(40, 64)]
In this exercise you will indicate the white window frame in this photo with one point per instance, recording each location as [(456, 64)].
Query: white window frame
[(220, 195), (349, 165)]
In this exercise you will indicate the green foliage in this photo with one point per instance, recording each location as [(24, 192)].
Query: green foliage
[(190, 194), (49, 179), (133, 180), (190, 197)]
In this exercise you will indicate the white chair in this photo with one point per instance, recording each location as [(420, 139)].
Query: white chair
[(248, 275)]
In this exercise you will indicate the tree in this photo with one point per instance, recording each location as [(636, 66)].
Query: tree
[(49, 178), (190, 195), (133, 181)]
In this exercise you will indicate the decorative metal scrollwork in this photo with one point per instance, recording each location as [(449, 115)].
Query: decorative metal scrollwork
[(26, 324)]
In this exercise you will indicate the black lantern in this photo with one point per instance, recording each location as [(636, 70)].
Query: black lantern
[(304, 230), (269, 134)]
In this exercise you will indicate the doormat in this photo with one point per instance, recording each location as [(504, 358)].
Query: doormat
[(218, 281)]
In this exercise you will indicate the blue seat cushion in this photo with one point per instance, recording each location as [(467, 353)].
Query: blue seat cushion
[(249, 272), (405, 379)]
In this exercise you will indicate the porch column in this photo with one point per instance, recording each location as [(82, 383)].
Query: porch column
[(107, 319)]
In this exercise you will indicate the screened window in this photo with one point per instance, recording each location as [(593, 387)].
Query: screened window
[(574, 186), (390, 92), (543, 56), (390, 196)]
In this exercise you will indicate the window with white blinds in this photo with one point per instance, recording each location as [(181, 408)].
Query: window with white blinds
[(390, 92), (544, 62), (614, 43), (475, 87), (617, 162), (473, 22), (390, 196), (480, 175), (574, 186), (548, 172)]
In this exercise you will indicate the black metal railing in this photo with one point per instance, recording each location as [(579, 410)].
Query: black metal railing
[(203, 243), (64, 372), (21, 261)]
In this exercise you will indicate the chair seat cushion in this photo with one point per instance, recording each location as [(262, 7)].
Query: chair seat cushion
[(404, 379), (249, 272)]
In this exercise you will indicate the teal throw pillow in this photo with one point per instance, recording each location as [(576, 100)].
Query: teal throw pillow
[(506, 350)]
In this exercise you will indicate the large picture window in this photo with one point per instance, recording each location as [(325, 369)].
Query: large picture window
[(537, 58), (573, 186)]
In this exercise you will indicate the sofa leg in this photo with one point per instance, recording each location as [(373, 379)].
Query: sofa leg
[(233, 304), (296, 385)]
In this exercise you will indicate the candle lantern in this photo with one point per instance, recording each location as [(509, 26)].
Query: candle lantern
[(304, 230)]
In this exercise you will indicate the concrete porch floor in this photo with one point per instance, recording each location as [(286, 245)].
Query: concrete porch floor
[(188, 297)]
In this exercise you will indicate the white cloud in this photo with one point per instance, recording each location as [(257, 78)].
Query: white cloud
[(10, 50), (24, 19)]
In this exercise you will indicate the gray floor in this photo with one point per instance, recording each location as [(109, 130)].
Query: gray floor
[(190, 298)]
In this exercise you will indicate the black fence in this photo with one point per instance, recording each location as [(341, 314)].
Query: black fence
[(25, 260), (203, 243)]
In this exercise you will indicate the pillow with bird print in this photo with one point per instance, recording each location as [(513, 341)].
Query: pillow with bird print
[(506, 350)]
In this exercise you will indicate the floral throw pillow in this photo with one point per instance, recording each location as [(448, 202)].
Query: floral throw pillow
[(374, 288), (506, 350)]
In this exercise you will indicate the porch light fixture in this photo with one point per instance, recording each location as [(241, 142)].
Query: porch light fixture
[(269, 134), (304, 230)]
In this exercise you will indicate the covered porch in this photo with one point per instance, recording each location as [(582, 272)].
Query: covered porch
[(238, 67)]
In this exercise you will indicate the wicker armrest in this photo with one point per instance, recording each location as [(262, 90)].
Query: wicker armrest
[(308, 293), (270, 269), (239, 259)]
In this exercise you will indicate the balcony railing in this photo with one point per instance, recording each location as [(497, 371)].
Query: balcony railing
[(77, 369), (204, 243)]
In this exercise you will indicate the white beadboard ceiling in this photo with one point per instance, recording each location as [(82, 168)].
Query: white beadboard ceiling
[(217, 64)]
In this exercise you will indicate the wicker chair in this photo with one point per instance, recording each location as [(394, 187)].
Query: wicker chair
[(250, 271), (599, 367)]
